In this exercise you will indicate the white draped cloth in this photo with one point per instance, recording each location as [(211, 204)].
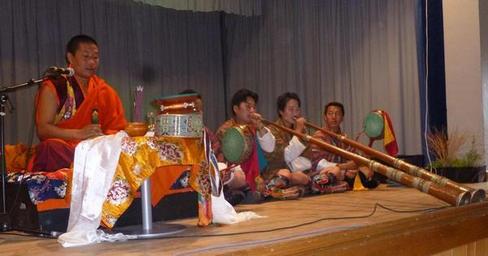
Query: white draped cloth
[(93, 170)]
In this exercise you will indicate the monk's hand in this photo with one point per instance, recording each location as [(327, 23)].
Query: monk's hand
[(90, 131)]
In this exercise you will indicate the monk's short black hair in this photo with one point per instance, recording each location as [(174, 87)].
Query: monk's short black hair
[(241, 96), (74, 43), (283, 99)]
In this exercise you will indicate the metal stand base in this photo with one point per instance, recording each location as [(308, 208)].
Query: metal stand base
[(148, 229), (5, 224), (158, 230)]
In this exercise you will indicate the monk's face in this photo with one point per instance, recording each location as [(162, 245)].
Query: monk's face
[(333, 117), (244, 110), (85, 61)]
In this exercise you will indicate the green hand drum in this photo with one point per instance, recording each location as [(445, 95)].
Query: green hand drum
[(236, 145), (374, 125)]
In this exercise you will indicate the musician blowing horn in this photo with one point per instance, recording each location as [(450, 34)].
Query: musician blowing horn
[(242, 139)]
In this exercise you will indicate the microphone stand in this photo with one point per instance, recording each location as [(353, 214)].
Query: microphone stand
[(5, 223)]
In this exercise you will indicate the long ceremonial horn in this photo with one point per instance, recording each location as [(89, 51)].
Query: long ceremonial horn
[(477, 195), (429, 187)]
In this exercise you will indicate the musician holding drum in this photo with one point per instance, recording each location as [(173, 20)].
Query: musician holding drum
[(335, 166), (242, 159)]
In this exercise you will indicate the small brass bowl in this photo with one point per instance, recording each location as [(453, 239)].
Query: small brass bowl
[(135, 129)]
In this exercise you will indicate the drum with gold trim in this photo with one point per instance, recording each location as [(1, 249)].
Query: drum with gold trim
[(178, 104), (179, 116)]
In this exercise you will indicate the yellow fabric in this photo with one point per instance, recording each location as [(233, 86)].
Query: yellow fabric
[(72, 104), (358, 185), (388, 134), (139, 158)]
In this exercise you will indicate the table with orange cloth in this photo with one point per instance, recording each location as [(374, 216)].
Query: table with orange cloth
[(165, 160)]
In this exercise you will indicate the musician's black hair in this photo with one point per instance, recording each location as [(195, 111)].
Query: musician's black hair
[(74, 43), (241, 96), (335, 104), (283, 100), (190, 91)]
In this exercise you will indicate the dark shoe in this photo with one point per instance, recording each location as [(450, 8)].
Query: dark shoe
[(368, 183), (252, 197)]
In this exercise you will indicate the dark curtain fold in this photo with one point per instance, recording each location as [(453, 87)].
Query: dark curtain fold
[(360, 52)]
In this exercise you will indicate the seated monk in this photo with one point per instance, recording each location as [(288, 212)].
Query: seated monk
[(284, 176), (330, 169), (72, 109)]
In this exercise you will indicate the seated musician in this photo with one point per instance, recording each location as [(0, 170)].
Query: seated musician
[(240, 181), (72, 109), (284, 176), (329, 168)]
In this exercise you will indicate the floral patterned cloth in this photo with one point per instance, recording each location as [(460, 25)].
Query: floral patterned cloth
[(139, 158), (42, 186)]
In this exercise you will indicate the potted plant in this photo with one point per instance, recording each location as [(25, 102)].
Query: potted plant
[(453, 160)]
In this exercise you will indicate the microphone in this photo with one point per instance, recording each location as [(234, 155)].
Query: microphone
[(57, 71)]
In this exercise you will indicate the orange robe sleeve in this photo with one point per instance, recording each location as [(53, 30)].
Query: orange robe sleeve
[(104, 99)]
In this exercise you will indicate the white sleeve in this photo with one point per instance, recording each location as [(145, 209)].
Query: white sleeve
[(294, 149), (324, 164), (300, 164), (267, 142), (237, 168)]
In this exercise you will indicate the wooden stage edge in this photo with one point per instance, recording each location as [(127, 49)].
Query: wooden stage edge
[(333, 224), (425, 234)]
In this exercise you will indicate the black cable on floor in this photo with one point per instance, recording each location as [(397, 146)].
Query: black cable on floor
[(373, 211)]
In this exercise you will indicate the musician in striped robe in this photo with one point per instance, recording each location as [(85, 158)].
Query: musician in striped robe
[(334, 166)]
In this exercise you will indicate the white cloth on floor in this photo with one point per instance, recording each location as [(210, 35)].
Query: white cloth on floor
[(223, 212)]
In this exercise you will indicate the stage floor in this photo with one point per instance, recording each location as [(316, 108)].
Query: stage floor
[(335, 223)]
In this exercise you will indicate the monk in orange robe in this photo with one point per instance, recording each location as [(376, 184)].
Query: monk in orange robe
[(72, 109)]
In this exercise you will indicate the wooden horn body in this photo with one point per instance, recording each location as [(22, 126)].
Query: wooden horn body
[(450, 196), (477, 195)]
